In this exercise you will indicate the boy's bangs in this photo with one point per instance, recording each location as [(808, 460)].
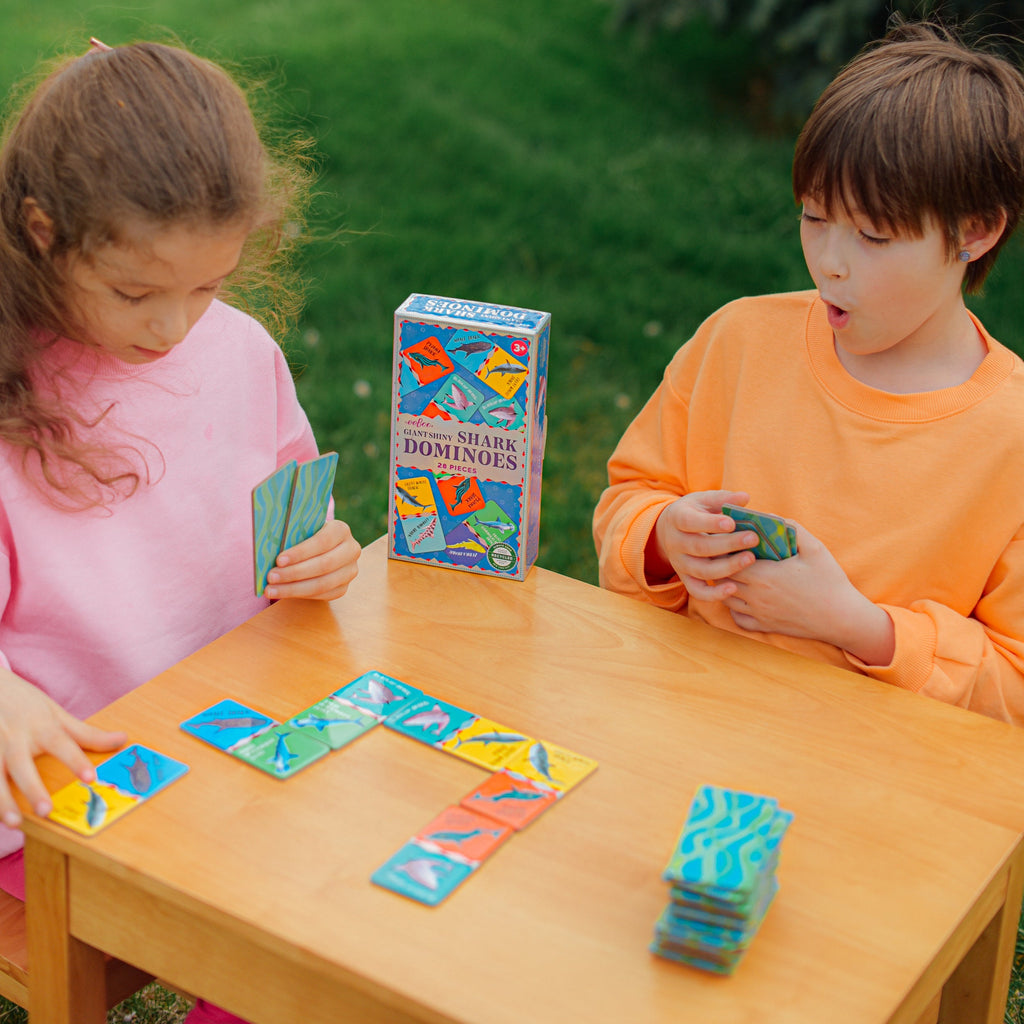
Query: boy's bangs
[(858, 172)]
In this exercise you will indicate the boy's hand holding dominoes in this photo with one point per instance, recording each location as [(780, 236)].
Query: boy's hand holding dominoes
[(812, 597), (723, 551), (697, 540)]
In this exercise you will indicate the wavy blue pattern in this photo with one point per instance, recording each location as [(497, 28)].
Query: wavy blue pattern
[(270, 501), (724, 843), (314, 481)]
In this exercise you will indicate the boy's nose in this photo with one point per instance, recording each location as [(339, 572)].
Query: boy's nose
[(832, 261)]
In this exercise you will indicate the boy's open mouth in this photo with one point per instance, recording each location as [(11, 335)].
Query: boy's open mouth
[(838, 318)]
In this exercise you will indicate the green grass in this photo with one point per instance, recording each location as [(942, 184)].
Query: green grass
[(512, 152), (152, 1005)]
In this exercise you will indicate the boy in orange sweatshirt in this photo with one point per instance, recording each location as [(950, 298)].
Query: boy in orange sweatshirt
[(874, 413)]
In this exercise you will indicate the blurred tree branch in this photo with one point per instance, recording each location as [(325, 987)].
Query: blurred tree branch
[(801, 44)]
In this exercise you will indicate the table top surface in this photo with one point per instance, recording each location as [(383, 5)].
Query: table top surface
[(904, 808)]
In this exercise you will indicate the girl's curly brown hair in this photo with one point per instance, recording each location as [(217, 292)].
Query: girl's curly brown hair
[(143, 134)]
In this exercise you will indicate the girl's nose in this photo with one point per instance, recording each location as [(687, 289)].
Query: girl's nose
[(170, 325)]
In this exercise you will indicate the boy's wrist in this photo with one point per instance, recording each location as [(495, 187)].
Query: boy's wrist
[(657, 568), (866, 632)]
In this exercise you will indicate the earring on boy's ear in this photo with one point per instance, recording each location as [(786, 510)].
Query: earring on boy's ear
[(964, 256)]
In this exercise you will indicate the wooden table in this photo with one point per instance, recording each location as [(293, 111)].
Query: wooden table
[(902, 872)]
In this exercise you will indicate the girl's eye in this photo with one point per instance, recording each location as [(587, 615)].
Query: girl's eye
[(874, 239), (132, 300)]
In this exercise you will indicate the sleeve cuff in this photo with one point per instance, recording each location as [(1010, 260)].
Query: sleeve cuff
[(912, 662), (671, 594)]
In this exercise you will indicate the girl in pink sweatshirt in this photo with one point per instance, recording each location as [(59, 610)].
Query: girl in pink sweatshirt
[(137, 411)]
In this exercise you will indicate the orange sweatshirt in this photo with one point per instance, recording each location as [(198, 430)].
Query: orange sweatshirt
[(919, 497)]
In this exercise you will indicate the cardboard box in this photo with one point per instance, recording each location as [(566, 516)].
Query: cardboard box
[(467, 434)]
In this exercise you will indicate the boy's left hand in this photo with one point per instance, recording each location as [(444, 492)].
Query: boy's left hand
[(320, 568), (810, 596)]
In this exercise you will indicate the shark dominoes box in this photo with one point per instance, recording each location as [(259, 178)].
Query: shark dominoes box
[(468, 427)]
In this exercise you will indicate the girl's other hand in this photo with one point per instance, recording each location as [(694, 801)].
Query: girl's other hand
[(320, 568), (32, 724)]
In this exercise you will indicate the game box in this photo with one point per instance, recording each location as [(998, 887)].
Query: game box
[(467, 434)]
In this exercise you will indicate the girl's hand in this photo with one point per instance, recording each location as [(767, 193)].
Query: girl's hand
[(31, 724), (693, 540), (320, 568), (809, 595)]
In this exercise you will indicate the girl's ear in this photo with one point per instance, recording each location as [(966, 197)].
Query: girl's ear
[(977, 238), (38, 224)]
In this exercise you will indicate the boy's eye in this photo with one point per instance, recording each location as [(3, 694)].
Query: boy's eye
[(809, 218), (132, 300), (873, 239)]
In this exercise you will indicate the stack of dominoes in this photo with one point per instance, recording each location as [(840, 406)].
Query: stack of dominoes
[(722, 878)]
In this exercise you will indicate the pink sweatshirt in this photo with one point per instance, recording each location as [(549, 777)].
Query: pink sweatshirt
[(94, 603)]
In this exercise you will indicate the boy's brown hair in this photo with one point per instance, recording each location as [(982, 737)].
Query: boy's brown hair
[(917, 127)]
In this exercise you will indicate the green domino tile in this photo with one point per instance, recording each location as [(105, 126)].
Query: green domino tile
[(334, 722), (282, 751)]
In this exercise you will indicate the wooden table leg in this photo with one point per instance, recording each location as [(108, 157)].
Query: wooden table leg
[(65, 977), (977, 989)]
